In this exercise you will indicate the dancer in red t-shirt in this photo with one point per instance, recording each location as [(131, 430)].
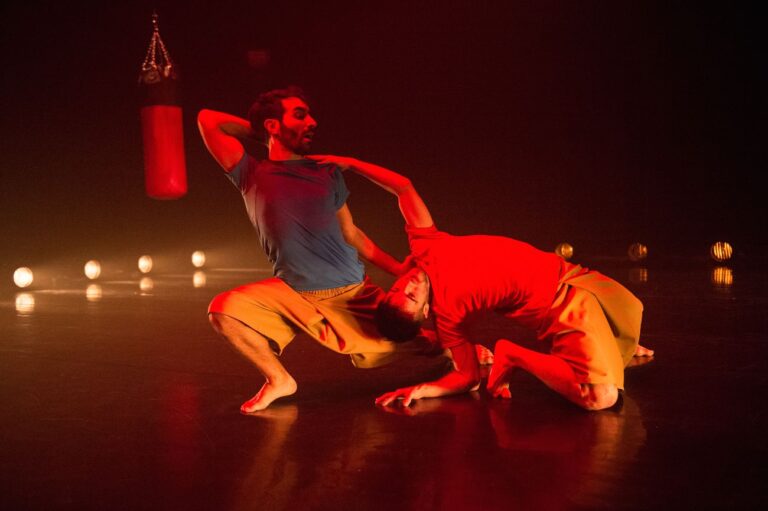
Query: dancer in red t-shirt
[(592, 321)]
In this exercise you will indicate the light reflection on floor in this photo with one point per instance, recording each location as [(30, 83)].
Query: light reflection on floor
[(113, 385)]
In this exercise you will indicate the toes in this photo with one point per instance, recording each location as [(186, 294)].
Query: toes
[(642, 351), (502, 392), (484, 355)]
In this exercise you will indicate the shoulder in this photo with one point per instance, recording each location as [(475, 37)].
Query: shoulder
[(329, 168), (425, 233)]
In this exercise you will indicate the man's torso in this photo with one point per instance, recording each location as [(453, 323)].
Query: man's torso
[(292, 205)]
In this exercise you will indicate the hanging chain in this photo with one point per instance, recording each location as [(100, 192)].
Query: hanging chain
[(151, 70)]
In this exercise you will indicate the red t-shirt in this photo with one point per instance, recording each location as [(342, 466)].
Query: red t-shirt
[(470, 274)]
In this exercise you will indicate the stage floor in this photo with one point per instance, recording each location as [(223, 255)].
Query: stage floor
[(122, 398)]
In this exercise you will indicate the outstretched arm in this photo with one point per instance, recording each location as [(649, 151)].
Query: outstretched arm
[(412, 207), (464, 378), (365, 246), (221, 134)]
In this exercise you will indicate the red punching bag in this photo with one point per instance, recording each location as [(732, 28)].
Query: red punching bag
[(165, 174)]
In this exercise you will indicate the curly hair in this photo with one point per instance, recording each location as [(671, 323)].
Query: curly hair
[(269, 105)]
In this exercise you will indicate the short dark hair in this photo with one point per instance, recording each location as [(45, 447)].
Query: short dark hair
[(269, 105), (396, 325)]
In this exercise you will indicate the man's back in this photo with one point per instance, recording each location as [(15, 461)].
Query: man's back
[(476, 273)]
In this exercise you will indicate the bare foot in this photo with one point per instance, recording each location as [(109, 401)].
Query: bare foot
[(268, 393), (641, 351), (498, 381), (484, 355), (498, 378), (638, 361)]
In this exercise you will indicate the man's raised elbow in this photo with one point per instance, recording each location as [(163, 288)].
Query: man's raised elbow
[(204, 116), (403, 186)]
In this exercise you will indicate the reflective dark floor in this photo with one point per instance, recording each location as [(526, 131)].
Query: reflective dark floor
[(121, 397)]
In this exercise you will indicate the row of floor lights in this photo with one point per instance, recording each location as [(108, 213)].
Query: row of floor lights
[(635, 252), (25, 301), (720, 251), (24, 277)]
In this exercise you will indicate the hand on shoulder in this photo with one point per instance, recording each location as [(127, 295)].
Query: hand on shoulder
[(343, 162)]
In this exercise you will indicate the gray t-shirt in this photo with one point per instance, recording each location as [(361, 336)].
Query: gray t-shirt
[(292, 205)]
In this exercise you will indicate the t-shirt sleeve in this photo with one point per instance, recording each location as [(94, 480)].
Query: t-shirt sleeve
[(449, 332), (341, 192), (239, 171), (417, 235)]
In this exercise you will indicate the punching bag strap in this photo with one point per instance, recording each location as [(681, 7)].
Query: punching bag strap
[(157, 66)]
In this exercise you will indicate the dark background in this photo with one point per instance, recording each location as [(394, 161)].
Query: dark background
[(588, 122)]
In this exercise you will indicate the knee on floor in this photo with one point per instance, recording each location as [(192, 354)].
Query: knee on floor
[(598, 396)]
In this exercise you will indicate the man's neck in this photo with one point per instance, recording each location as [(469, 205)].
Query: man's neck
[(278, 152)]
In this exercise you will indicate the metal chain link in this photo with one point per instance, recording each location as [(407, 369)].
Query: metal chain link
[(150, 67)]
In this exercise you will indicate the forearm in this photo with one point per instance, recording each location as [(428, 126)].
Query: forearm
[(226, 123), (389, 180), (454, 382), (464, 378), (372, 253), (222, 134), (412, 206)]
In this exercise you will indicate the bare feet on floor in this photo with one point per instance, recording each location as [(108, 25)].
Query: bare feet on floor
[(498, 379), (484, 355), (268, 393)]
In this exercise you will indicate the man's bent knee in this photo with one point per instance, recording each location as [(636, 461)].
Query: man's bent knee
[(598, 396), (233, 330), (222, 323)]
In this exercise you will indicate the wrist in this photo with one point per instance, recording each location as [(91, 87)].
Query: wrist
[(352, 163)]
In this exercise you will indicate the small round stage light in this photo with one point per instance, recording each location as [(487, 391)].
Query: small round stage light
[(93, 293), (198, 279), (638, 275), (23, 277), (146, 284), (92, 269), (722, 276), (721, 251), (637, 252), (25, 303), (564, 250), (198, 258), (145, 264)]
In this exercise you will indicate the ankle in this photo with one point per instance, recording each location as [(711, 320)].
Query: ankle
[(283, 380)]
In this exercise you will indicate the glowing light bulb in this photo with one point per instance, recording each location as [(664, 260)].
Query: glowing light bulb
[(92, 269), (23, 277), (722, 276), (198, 279), (564, 250), (93, 293), (146, 284), (25, 303), (145, 264), (637, 252), (198, 259), (721, 251)]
